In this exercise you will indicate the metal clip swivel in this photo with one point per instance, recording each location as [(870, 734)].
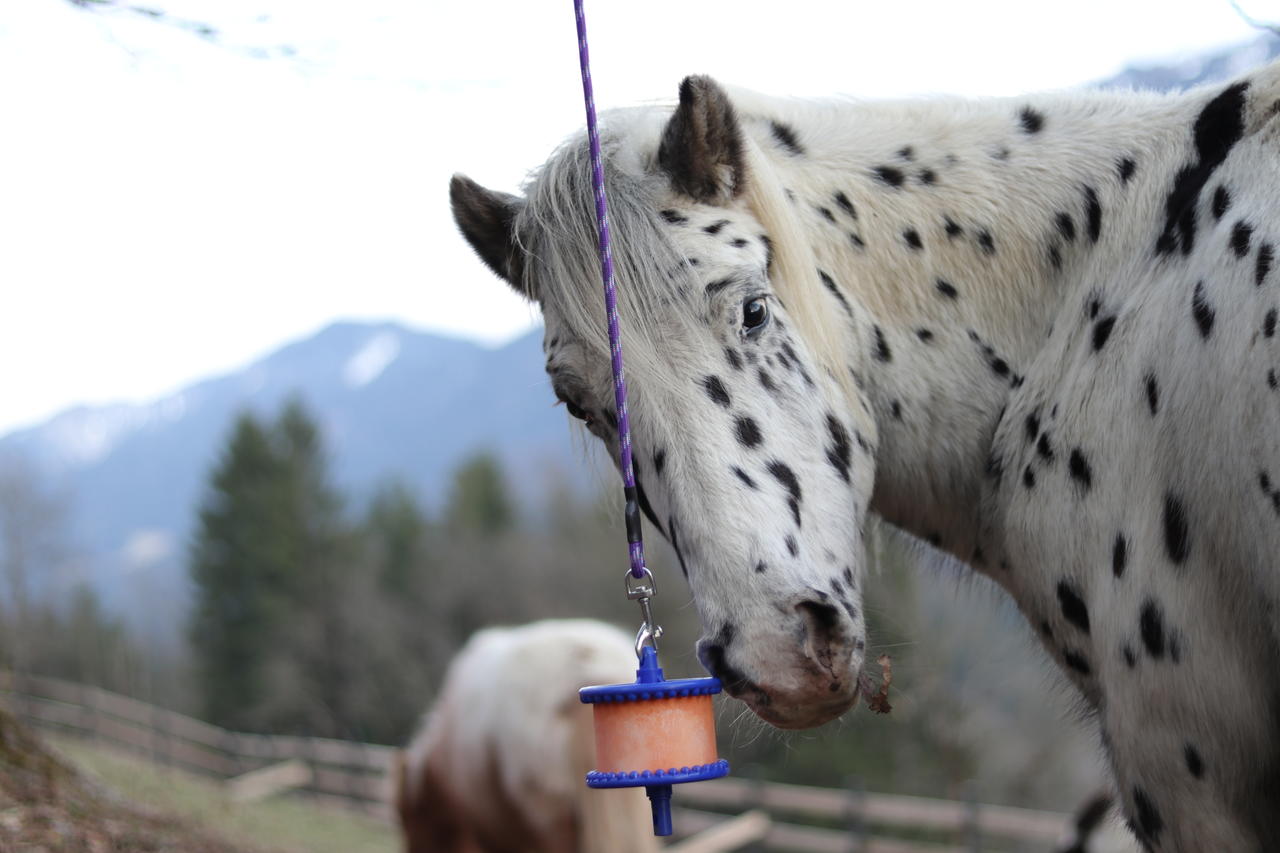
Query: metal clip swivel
[(642, 589)]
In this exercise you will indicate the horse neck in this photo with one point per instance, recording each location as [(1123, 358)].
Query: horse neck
[(959, 232)]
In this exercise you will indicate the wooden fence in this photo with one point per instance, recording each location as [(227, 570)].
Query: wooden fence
[(802, 819), (351, 774)]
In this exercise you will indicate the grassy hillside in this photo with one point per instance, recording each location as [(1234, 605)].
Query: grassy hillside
[(283, 824), (46, 804)]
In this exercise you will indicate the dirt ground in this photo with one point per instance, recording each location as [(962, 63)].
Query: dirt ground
[(47, 807)]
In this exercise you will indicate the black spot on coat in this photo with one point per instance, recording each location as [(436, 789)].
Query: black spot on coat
[(912, 238), (1263, 264), (1241, 234), (880, 351), (888, 175), (1119, 555), (1055, 257), (1153, 392), (1077, 662), (946, 288), (1032, 426), (840, 451), (1177, 538), (747, 431), (784, 475), (716, 391), (986, 242), (846, 205), (1079, 468), (1102, 331), (786, 137), (1093, 214), (1073, 606), (1151, 626), (1032, 121), (1149, 821), (1066, 226), (830, 284), (952, 228), (1126, 167), (1221, 202), (1201, 311), (718, 285), (1217, 129), (1195, 764), (745, 478)]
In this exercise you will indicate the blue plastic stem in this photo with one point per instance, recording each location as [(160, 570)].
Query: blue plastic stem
[(660, 800)]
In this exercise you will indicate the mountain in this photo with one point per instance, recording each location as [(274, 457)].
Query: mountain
[(391, 402), (1203, 68)]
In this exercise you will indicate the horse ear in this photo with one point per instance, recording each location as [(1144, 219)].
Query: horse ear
[(701, 147), (486, 218)]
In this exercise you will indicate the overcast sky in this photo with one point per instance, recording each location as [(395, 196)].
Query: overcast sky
[(173, 206)]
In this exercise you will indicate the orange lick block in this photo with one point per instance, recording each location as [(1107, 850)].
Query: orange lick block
[(654, 733)]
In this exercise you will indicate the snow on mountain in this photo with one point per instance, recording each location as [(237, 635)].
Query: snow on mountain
[(371, 359)]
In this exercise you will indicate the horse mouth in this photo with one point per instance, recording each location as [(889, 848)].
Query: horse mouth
[(805, 715), (797, 709)]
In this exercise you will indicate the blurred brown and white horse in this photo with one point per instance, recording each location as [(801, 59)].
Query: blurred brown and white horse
[(498, 765)]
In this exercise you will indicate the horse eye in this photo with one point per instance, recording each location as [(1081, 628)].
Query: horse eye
[(576, 410), (755, 313)]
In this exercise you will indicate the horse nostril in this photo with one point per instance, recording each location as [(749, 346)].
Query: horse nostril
[(715, 660), (825, 633), (711, 656), (821, 619)]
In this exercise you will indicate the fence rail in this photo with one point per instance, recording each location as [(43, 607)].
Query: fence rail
[(356, 775)]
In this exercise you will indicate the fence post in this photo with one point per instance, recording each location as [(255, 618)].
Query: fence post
[(973, 829), (856, 813), (230, 743), (755, 801)]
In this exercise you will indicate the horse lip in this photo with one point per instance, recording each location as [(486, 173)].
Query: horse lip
[(807, 716), (799, 716), (747, 691)]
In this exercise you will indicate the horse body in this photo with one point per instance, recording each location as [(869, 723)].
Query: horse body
[(499, 766), (1035, 332)]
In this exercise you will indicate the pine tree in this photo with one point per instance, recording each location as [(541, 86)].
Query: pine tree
[(239, 564), (479, 503), (396, 531), (269, 565)]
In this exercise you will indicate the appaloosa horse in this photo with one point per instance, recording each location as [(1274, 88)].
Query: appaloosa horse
[(1039, 333)]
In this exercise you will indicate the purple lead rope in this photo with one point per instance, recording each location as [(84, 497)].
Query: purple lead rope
[(634, 540)]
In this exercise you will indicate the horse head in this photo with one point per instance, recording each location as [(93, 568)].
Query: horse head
[(754, 445)]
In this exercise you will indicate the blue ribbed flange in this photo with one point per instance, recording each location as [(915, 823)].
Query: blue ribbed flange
[(674, 776), (638, 692)]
